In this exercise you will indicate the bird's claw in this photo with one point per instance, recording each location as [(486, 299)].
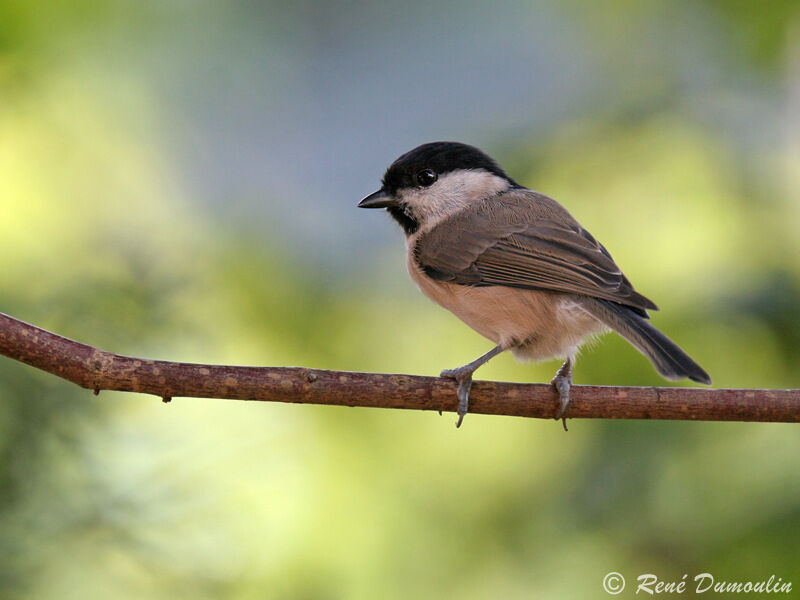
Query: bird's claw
[(562, 384), (464, 379)]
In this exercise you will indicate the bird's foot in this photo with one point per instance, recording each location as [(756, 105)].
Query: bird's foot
[(562, 382), (463, 376)]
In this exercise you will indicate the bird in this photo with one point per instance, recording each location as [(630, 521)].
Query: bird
[(515, 266)]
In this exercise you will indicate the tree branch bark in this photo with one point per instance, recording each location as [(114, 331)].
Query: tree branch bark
[(97, 370)]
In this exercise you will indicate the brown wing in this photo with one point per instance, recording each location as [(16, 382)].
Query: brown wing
[(524, 239)]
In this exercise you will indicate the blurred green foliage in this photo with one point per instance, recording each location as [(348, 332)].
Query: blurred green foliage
[(120, 496)]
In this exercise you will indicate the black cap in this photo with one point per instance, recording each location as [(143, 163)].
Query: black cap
[(442, 157)]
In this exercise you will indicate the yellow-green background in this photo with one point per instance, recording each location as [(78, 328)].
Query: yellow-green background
[(178, 180)]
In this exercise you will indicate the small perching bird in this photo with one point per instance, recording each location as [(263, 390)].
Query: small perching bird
[(514, 265)]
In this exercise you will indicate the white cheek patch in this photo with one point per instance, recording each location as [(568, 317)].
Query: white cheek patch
[(452, 192)]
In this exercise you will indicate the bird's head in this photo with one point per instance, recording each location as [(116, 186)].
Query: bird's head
[(435, 180)]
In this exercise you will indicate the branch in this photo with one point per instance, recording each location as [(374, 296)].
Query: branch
[(97, 370)]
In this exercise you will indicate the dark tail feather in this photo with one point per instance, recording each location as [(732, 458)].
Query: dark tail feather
[(667, 358)]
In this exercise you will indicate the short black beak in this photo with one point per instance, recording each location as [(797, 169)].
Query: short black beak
[(379, 199)]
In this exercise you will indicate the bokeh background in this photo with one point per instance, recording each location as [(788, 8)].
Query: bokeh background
[(178, 180)]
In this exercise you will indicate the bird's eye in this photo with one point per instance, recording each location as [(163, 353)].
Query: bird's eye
[(426, 177)]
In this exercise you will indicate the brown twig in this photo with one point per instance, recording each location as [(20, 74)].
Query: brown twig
[(97, 370)]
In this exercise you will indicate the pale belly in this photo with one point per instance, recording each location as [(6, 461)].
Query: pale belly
[(534, 325)]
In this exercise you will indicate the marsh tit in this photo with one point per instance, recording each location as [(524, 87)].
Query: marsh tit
[(514, 265)]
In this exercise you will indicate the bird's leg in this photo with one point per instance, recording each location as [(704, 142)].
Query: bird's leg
[(463, 375), (562, 382)]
